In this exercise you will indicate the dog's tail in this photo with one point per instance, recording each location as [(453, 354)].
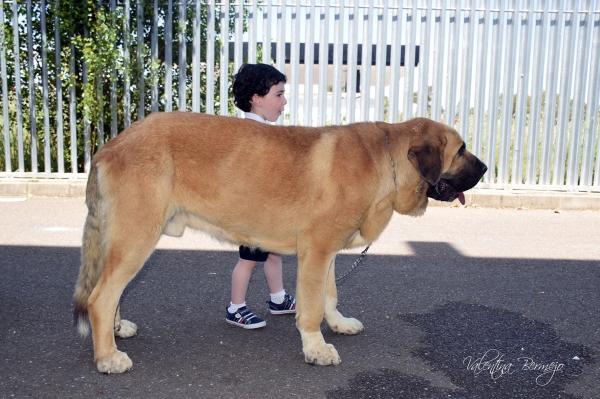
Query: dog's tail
[(92, 252)]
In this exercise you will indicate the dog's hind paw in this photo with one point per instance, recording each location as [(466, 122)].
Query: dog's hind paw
[(126, 329), (119, 362), (345, 325), (348, 326)]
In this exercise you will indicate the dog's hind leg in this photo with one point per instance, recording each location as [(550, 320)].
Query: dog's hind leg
[(131, 238), (124, 328), (335, 320)]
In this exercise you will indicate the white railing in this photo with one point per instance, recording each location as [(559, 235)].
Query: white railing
[(453, 61)]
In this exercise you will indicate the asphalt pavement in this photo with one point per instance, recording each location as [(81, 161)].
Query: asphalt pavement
[(464, 302)]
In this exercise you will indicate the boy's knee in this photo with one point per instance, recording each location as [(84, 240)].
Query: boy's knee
[(246, 264)]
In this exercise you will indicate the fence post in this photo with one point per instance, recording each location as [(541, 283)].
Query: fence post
[(7, 155)]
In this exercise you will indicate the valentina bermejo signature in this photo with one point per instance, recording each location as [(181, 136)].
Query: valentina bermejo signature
[(494, 363)]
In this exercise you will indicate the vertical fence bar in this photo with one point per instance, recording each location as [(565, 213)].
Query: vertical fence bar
[(466, 70), (411, 59), (439, 48), (251, 22), (100, 123), (239, 41), (224, 60), (452, 68), (496, 60), (60, 157), (99, 88), (7, 155), (507, 95), (31, 75), (352, 63), (169, 58), (87, 150), (73, 110), (154, 59), (295, 62), (553, 63), (281, 41), (481, 82), (181, 29), (114, 119), (140, 60), (593, 104), (381, 55), (541, 25), (266, 39), (338, 56), (410, 56), (210, 57), (566, 87), (324, 61), (524, 23), (45, 105), (309, 62), (126, 71), (424, 57), (395, 63), (197, 29), (585, 22), (365, 65)]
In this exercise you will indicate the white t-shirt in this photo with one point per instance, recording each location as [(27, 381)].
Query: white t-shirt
[(254, 117)]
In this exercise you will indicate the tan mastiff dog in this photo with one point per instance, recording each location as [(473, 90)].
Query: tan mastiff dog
[(303, 190)]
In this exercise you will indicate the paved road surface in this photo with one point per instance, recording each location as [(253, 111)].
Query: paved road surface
[(460, 303)]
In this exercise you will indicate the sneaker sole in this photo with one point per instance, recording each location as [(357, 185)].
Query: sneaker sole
[(247, 326), (290, 311)]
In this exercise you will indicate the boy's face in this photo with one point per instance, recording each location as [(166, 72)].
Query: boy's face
[(271, 105)]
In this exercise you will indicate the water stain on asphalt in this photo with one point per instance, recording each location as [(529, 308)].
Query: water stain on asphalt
[(485, 352)]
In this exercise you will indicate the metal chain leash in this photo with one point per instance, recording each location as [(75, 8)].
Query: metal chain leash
[(360, 258), (364, 253), (387, 144)]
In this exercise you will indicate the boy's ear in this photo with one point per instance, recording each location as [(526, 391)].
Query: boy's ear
[(256, 100)]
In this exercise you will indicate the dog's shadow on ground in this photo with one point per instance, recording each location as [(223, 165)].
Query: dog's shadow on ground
[(486, 352), (437, 322)]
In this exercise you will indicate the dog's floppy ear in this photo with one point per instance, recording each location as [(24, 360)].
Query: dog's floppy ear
[(426, 153)]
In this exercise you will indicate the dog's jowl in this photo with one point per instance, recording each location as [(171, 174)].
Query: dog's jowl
[(337, 188)]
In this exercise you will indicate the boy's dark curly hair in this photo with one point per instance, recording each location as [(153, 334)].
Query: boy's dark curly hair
[(254, 79)]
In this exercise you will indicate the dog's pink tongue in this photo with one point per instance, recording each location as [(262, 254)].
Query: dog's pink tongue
[(461, 198)]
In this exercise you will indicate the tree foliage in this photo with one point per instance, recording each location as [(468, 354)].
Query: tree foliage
[(102, 58)]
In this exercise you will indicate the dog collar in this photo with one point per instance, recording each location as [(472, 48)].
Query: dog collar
[(387, 144)]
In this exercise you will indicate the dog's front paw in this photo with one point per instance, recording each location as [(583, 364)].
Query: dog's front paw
[(126, 329), (346, 325), (322, 355), (317, 351), (119, 362)]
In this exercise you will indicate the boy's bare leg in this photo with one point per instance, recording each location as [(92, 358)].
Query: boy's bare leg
[(274, 273), (240, 279)]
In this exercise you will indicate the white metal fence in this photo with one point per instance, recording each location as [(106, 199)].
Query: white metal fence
[(519, 79)]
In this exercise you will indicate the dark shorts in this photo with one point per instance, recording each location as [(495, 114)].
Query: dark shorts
[(254, 254)]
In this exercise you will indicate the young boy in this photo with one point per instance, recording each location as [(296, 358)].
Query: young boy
[(258, 90)]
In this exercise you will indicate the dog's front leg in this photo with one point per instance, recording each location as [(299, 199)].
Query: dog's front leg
[(335, 320), (310, 296)]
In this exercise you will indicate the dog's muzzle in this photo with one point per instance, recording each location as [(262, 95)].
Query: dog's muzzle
[(443, 191)]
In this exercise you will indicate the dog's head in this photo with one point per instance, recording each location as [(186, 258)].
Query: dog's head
[(440, 156)]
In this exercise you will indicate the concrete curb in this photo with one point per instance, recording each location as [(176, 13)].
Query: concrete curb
[(42, 187), (484, 198), (490, 198)]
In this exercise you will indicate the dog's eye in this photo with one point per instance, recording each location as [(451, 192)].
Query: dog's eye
[(462, 149)]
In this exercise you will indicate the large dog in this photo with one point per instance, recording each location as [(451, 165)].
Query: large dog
[(308, 191)]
